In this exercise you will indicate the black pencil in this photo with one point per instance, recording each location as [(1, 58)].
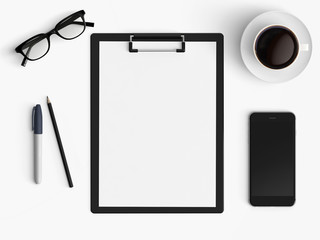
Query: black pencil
[(63, 156)]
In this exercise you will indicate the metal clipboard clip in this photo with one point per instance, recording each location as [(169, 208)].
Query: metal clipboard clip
[(157, 38)]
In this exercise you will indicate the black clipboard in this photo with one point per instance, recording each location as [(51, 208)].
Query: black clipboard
[(182, 39)]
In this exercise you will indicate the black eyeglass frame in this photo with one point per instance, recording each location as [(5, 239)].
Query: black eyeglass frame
[(60, 25)]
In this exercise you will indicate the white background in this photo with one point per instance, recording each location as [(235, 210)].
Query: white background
[(53, 211)]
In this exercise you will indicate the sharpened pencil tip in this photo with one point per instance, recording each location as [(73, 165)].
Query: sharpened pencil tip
[(48, 100)]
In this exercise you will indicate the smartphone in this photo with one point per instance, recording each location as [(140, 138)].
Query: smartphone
[(272, 159)]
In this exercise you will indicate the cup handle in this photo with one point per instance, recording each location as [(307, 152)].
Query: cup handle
[(304, 47)]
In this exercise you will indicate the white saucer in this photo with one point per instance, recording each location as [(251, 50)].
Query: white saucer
[(247, 46)]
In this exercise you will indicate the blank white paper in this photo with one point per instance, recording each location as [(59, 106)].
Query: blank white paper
[(157, 127)]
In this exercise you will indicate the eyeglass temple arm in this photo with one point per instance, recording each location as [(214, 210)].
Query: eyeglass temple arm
[(24, 61), (88, 24)]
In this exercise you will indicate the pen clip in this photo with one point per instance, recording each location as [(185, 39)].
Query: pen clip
[(33, 112)]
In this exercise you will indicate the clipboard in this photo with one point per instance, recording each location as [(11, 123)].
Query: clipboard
[(157, 123)]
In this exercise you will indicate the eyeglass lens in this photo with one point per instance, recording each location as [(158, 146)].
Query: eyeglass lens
[(36, 48), (71, 27)]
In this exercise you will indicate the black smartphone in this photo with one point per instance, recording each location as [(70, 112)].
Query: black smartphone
[(272, 159)]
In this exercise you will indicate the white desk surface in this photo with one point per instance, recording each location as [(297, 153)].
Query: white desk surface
[(53, 211)]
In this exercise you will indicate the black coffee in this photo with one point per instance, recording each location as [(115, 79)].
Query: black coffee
[(276, 47)]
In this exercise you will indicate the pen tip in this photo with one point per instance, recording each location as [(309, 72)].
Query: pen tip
[(48, 100)]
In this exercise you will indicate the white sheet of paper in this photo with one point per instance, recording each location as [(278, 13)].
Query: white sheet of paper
[(157, 127)]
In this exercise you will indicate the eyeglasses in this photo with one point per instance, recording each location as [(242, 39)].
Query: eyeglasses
[(68, 28)]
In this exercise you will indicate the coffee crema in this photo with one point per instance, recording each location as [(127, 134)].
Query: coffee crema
[(276, 47)]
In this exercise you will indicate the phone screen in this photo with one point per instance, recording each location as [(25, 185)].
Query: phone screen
[(272, 158)]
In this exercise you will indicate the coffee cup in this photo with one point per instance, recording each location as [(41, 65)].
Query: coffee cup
[(277, 47)]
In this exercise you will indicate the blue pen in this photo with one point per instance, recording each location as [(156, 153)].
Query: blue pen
[(37, 130)]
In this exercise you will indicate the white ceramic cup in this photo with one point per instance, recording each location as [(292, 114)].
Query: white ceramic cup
[(300, 46)]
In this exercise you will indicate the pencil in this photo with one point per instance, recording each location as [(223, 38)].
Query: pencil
[(56, 130)]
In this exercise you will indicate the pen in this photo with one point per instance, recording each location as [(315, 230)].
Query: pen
[(63, 156), (37, 131)]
